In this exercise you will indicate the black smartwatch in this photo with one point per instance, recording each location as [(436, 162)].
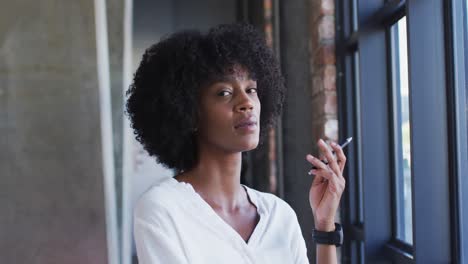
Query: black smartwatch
[(329, 238)]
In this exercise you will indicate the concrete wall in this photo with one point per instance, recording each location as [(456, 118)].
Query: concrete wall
[(307, 53), (51, 184), (297, 118)]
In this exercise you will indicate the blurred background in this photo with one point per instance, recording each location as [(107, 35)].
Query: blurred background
[(390, 73)]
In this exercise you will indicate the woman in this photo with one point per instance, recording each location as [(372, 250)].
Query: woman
[(196, 103)]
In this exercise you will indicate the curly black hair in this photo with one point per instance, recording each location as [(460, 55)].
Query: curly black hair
[(162, 100)]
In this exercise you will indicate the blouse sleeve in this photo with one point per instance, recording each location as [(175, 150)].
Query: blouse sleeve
[(154, 245)]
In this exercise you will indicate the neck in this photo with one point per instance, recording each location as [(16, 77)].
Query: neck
[(216, 178)]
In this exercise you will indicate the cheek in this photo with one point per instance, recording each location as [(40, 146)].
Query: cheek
[(215, 119), (259, 107)]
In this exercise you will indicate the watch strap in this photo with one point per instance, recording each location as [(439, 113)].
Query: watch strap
[(329, 238)]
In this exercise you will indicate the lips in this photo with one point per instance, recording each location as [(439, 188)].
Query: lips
[(245, 122)]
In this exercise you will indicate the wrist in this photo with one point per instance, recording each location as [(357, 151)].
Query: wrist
[(324, 226)]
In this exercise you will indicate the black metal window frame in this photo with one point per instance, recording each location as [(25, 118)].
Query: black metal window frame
[(457, 52), (437, 38)]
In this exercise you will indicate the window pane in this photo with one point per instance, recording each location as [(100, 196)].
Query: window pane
[(466, 95), (402, 133), (466, 64)]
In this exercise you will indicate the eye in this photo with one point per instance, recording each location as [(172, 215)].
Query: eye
[(224, 93), (252, 90)]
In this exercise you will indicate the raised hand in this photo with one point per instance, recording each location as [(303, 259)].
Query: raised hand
[(327, 186)]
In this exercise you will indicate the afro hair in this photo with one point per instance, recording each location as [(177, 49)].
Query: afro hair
[(162, 99)]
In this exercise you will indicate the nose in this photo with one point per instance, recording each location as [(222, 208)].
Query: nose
[(245, 104)]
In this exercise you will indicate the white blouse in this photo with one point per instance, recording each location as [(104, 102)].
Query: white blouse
[(173, 224)]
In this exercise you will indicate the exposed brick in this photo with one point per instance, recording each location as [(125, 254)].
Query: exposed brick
[(318, 110), (329, 78), (330, 106), (324, 54), (331, 129), (315, 11), (313, 41), (323, 78), (323, 70), (327, 7), (317, 84), (326, 28)]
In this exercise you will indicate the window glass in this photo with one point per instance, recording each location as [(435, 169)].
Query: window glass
[(466, 62), (402, 133)]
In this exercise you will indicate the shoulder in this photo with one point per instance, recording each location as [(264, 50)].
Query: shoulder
[(157, 201)]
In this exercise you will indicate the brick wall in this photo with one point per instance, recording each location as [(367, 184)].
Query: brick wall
[(323, 69), (323, 73)]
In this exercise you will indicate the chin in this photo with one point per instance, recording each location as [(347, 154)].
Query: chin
[(249, 149), (250, 146)]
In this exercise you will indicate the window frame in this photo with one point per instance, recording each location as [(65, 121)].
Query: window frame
[(457, 26), (349, 116), (434, 27), (396, 137)]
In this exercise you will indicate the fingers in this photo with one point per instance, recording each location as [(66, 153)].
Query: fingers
[(316, 162), (332, 163), (318, 180), (328, 158), (321, 167), (340, 155), (324, 175)]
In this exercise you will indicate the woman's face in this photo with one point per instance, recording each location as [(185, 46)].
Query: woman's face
[(229, 113)]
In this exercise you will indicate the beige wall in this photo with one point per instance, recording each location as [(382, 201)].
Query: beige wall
[(51, 184)]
